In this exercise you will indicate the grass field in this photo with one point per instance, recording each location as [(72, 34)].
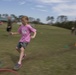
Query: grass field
[(47, 54)]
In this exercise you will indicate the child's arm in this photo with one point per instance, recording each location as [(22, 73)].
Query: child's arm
[(34, 35), (14, 33)]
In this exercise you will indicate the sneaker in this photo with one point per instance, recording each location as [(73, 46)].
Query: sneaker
[(17, 66)]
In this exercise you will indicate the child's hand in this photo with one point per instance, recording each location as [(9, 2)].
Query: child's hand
[(11, 33), (32, 37)]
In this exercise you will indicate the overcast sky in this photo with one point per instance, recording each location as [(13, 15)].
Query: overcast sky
[(39, 8)]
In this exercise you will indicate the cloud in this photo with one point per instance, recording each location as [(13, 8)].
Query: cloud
[(7, 0), (22, 3), (32, 8), (53, 1), (60, 7), (42, 10), (40, 6), (39, 9), (65, 9)]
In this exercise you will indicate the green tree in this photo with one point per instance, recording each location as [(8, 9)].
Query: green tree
[(38, 20), (14, 17), (31, 19), (51, 19), (62, 18)]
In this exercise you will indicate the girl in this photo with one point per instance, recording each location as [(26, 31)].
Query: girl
[(25, 30)]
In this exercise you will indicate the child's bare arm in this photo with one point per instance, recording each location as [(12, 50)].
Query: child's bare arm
[(14, 33), (34, 35)]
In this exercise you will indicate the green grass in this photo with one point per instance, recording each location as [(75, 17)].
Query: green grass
[(46, 54)]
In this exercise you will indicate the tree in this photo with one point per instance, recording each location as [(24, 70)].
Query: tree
[(62, 18), (20, 16), (31, 19), (38, 20), (0, 15), (4, 15), (51, 19), (48, 18), (14, 17)]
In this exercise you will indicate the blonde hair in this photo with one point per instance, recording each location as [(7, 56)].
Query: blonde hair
[(25, 18)]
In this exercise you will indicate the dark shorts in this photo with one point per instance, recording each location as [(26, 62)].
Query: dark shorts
[(22, 44), (8, 29)]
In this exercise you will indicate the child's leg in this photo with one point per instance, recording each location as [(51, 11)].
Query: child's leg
[(18, 49), (21, 55)]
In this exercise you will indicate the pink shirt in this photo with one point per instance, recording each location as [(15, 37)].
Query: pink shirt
[(25, 32)]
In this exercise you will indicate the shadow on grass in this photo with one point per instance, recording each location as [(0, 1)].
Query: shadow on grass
[(13, 57)]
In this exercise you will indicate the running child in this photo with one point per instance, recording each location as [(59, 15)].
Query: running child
[(25, 30)]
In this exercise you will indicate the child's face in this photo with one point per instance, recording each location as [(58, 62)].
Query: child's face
[(24, 21)]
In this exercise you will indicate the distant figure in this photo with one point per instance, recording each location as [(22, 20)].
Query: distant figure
[(9, 25), (73, 30)]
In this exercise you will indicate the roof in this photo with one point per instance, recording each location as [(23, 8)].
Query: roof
[(3, 19)]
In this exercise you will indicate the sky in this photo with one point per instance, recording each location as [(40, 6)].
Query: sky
[(39, 8)]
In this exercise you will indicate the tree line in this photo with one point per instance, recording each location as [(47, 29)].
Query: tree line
[(18, 18), (60, 21)]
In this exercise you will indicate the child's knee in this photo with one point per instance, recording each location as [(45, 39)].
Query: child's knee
[(22, 49), (17, 48)]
